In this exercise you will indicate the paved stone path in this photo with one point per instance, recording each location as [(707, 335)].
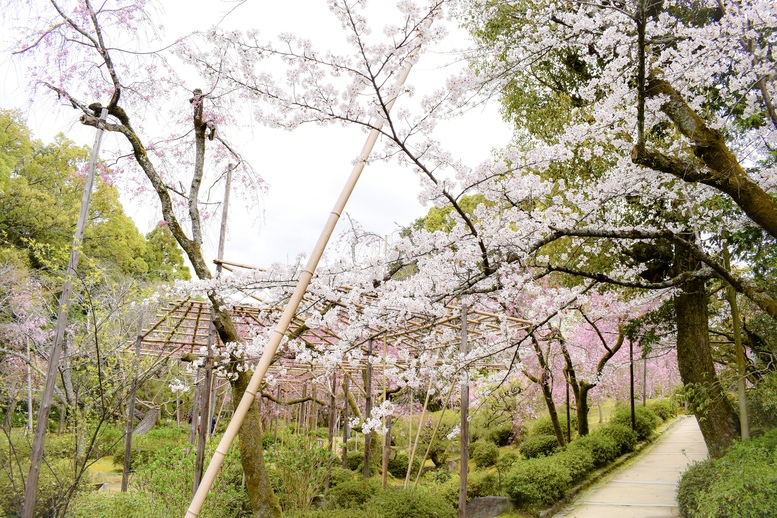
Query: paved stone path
[(645, 486)]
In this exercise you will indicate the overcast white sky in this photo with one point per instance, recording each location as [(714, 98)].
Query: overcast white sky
[(307, 168)]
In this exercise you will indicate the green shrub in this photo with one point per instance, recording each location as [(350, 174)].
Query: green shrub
[(118, 505), (665, 409), (501, 436), (298, 472), (624, 436), (354, 460), (645, 420), (334, 513), (418, 503), (538, 446), (339, 475), (398, 466), (742, 483), (352, 494), (544, 425), (603, 448), (579, 462), (481, 483), (693, 485), (167, 480), (537, 482), (145, 447), (484, 453)]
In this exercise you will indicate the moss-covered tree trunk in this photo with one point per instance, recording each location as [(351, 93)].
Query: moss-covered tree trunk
[(716, 416), (264, 503)]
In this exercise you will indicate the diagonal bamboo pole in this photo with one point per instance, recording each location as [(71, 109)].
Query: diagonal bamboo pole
[(288, 313), (31, 487)]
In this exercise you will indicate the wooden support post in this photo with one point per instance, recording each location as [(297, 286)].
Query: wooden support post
[(331, 429), (367, 407), (631, 380), (345, 422), (131, 411), (36, 454), (464, 426)]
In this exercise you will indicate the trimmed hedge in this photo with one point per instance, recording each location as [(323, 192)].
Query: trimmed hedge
[(603, 448), (624, 436), (537, 482), (645, 420), (665, 409), (398, 465), (538, 446)]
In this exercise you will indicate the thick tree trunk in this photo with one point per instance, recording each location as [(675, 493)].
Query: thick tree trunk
[(716, 416), (264, 503)]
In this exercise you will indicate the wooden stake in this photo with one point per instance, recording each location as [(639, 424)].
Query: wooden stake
[(464, 426), (31, 487), (131, 411)]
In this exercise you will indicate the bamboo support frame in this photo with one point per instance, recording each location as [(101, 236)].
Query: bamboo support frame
[(288, 313)]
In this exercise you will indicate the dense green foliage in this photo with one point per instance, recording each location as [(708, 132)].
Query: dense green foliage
[(538, 446), (484, 453), (742, 483), (645, 421)]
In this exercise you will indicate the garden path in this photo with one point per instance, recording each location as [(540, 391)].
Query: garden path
[(646, 486)]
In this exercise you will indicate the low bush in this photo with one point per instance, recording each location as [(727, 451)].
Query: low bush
[(352, 494), (124, 505), (579, 462), (419, 503), (482, 483), (537, 482), (484, 453), (623, 435), (645, 420), (538, 446), (398, 465), (339, 475), (741, 483), (603, 448), (354, 460), (665, 409)]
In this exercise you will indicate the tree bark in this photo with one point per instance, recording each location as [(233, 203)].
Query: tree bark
[(717, 419), (264, 503)]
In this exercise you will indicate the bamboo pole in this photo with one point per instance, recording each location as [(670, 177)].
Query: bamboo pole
[(131, 411), (368, 409), (345, 421), (434, 434), (464, 426), (31, 486), (417, 435), (288, 313)]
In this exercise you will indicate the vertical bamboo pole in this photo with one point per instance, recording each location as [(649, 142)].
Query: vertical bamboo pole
[(29, 386), (434, 433), (31, 487), (331, 429), (464, 426), (131, 411), (386, 422), (345, 421), (288, 313), (368, 408)]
